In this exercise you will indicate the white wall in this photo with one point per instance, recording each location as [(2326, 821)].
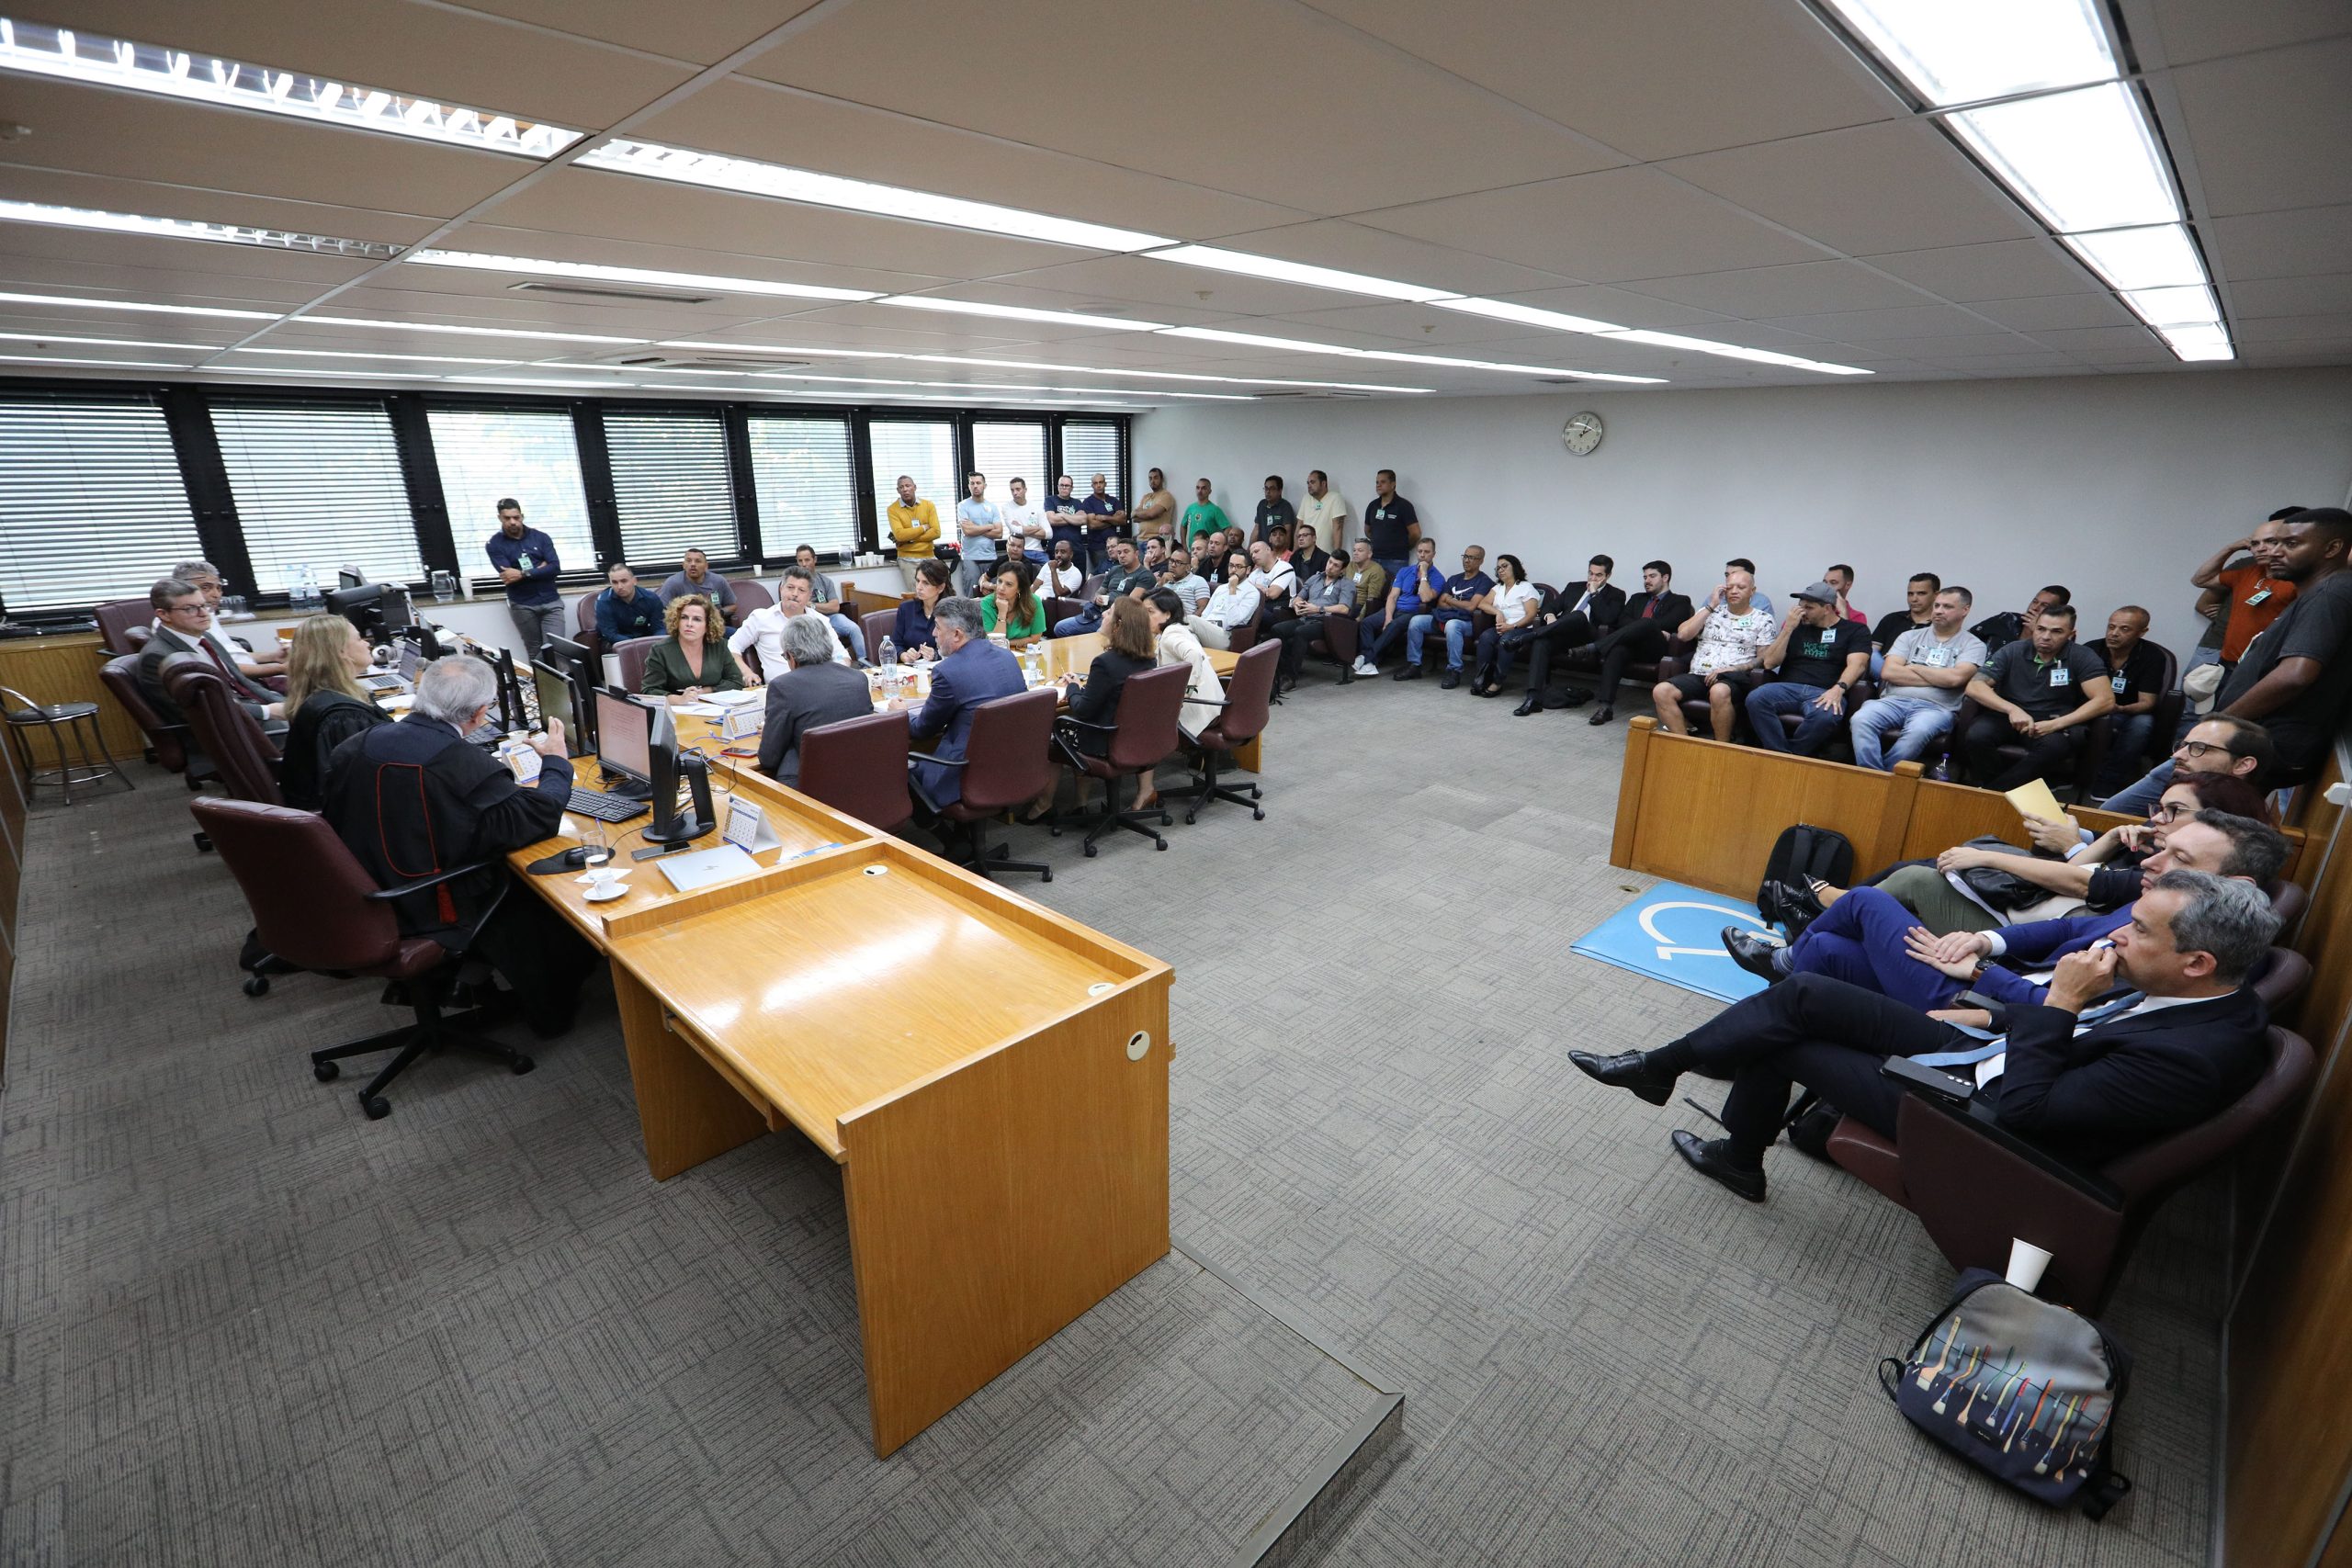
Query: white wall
[(2114, 485)]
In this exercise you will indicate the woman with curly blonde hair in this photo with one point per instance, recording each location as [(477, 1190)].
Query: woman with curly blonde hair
[(693, 661)]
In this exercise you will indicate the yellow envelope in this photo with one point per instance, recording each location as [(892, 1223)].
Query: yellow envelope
[(2032, 799)]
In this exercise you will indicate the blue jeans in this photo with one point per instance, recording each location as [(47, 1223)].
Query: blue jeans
[(1766, 703), (1457, 632), (1087, 620), (852, 634), (2134, 732), (1921, 724), (2142, 797)]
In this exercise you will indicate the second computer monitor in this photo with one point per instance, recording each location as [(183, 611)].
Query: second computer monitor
[(624, 739)]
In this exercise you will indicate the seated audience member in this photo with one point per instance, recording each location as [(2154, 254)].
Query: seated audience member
[(1274, 578), (1369, 576), (1307, 558), (2135, 673), (1926, 674), (327, 704), (1189, 585), (912, 632), (813, 690), (1208, 557), (1410, 591), (413, 799), (833, 604), (1919, 610), (1841, 578), (1571, 624), (1176, 644), (1869, 940), (2296, 676), (694, 660), (2085, 1080), (2044, 691), (212, 586), (1127, 578), (2250, 598), (1731, 635), (971, 671), (1026, 532), (1818, 655), (1763, 600), (1061, 578), (182, 618), (1330, 592), (1233, 604), (1514, 603), (763, 630), (1201, 516), (1453, 614), (1155, 557), (1011, 609), (1273, 511), (1641, 632), (1999, 631), (695, 577), (2221, 742), (625, 608), (1129, 650)]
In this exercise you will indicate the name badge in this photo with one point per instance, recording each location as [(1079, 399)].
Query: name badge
[(2119, 681), (2257, 598), (1935, 658), (2061, 676)]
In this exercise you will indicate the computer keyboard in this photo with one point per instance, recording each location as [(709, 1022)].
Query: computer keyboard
[(606, 807)]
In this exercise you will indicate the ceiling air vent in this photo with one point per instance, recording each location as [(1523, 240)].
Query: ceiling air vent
[(1270, 397), (599, 291), (705, 362)]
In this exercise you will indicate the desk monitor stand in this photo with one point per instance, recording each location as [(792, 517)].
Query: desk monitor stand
[(669, 830)]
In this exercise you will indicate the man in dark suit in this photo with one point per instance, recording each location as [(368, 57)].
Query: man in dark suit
[(2132, 1041), (182, 618), (1575, 622), (1643, 628), (971, 671), (1867, 939), (816, 689)]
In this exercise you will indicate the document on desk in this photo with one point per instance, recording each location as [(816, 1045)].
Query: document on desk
[(703, 868), (701, 710)]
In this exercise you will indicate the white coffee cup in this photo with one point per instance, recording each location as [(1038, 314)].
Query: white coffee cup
[(602, 878), (2026, 1263)]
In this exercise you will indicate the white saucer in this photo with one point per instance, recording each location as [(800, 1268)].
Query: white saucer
[(617, 890)]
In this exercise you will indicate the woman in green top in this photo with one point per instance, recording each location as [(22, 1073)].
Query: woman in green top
[(693, 662), (1013, 607)]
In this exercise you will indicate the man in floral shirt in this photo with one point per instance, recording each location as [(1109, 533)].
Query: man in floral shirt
[(1731, 631)]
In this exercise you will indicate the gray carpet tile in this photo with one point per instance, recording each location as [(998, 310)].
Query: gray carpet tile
[(242, 1322)]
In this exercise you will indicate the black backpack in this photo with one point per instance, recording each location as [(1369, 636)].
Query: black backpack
[(1785, 898)]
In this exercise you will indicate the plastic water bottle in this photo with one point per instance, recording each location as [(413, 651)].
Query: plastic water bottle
[(889, 654)]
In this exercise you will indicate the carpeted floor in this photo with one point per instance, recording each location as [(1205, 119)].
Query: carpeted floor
[(239, 1324)]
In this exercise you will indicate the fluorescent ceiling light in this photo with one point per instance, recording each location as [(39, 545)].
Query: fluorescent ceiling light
[(750, 176), (41, 50), (2162, 256), (472, 262), (2080, 160), (1504, 311), (106, 341), (1257, 340), (468, 332), (528, 381), (1298, 271), (2191, 306), (362, 353), (2198, 342), (1735, 351), (1509, 369), (781, 348), (1155, 375), (1987, 49), (845, 380), (137, 305), (1019, 313), (110, 364), (306, 371), (190, 228)]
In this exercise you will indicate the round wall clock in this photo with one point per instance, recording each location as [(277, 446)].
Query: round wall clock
[(1582, 434)]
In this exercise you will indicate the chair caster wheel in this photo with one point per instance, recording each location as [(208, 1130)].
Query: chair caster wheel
[(375, 1105), (326, 1072), (1049, 874), (1090, 852), (257, 985), (1188, 819), (1253, 792), (520, 1066), (1159, 843), (1165, 820)]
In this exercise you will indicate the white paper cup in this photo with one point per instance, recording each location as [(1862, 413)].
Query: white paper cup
[(2026, 1263)]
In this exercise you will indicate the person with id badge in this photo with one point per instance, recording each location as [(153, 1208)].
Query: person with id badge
[(2040, 692), (1927, 672)]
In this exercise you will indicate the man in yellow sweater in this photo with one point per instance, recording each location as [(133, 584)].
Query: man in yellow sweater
[(914, 528)]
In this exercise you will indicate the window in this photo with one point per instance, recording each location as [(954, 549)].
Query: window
[(1005, 451), (1092, 447), (805, 484), (671, 484), (318, 487), (91, 504), (488, 455), (924, 448)]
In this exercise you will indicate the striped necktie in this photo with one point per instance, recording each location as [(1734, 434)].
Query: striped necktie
[(1993, 1045)]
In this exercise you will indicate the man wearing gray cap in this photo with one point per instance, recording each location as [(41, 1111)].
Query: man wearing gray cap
[(1819, 655)]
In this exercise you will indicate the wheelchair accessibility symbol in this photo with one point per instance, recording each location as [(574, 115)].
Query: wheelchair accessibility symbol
[(1662, 932), (1717, 914)]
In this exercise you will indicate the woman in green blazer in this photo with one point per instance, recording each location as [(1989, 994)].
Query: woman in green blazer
[(694, 661), (1010, 610)]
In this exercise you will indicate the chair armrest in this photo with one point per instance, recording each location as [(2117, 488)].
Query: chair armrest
[(1976, 1187), (938, 762), (1976, 1120), (1063, 721), (1669, 665), (405, 888)]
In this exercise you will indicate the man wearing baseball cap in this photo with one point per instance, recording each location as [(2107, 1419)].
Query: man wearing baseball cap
[(1819, 655)]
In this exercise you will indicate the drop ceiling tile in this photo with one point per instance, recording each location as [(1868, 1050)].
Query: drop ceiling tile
[(1881, 326), (1805, 288), (500, 239), (1411, 327), (1765, 72), (2331, 351), (893, 319), (1625, 307), (996, 292), (2091, 342), (1939, 348), (2269, 130), (2006, 269), (2321, 327), (2083, 310), (1895, 186), (2303, 243), (1600, 228), (704, 34), (1388, 130), (2189, 30), (159, 269), (61, 187), (1352, 247), (2292, 296)]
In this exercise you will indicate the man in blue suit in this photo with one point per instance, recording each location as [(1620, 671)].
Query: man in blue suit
[(971, 671), (1868, 940)]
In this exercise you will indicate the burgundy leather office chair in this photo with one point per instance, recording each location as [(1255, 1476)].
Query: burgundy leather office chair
[(1058, 609), (2288, 901), (2088, 759), (632, 656), (859, 766), (243, 758), (1242, 638), (315, 907), (877, 624), (1007, 759), (1143, 734), (1640, 674), (118, 618), (584, 625), (1248, 695), (1342, 638), (166, 743), (751, 595)]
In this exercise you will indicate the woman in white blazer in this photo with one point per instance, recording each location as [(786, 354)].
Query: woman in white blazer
[(1176, 645)]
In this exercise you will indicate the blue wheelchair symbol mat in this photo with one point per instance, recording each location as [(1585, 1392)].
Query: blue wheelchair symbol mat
[(1674, 933)]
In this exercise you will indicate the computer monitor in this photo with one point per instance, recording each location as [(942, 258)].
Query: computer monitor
[(671, 829), (625, 742), (565, 655), (362, 606), (554, 695), (350, 577), (397, 616)]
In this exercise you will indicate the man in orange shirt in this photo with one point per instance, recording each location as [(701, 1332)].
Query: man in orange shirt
[(2251, 599)]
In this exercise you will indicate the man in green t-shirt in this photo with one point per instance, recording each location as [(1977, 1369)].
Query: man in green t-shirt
[(1203, 514)]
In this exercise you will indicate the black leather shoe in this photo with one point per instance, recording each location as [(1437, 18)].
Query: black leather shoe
[(1767, 959), (1630, 1070), (1711, 1159), (1453, 679), (1410, 672), (1533, 704), (1602, 715)]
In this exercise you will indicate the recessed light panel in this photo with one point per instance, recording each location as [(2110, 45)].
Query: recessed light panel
[(531, 266)]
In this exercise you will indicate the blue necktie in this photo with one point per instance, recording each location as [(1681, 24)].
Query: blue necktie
[(1997, 1043)]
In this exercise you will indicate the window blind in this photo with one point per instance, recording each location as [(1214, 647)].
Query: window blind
[(1004, 451), (1096, 446), (671, 484), (487, 454), (91, 504), (805, 484), (924, 448), (318, 486)]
